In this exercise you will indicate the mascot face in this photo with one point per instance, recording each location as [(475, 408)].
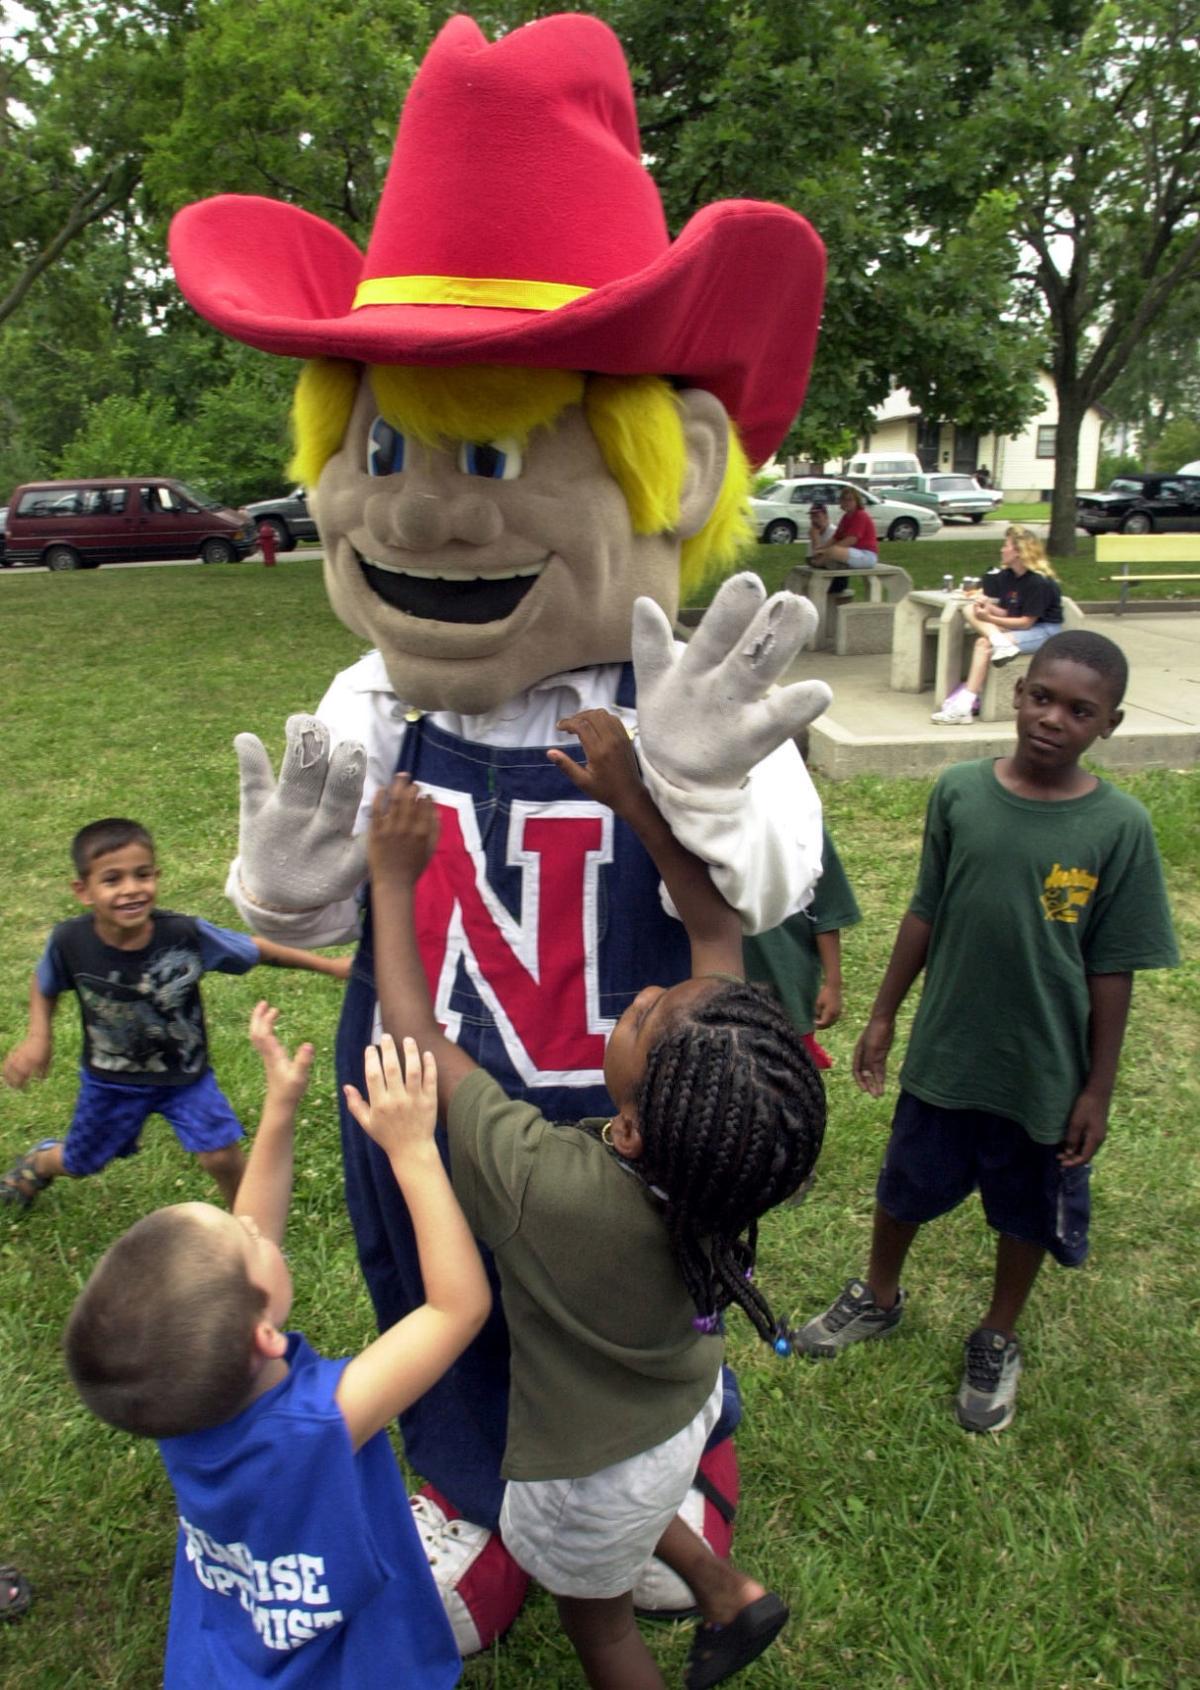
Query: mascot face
[(480, 569)]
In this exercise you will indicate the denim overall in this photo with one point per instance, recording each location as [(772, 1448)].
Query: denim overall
[(454, 1435)]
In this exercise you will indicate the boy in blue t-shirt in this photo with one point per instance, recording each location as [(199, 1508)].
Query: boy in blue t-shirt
[(1040, 892), (298, 1562), (136, 972)]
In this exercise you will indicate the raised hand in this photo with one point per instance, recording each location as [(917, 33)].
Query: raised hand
[(611, 774), (295, 845), (403, 832), (400, 1109), (707, 715), (287, 1076)]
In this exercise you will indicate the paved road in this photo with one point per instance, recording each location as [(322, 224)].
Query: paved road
[(156, 563)]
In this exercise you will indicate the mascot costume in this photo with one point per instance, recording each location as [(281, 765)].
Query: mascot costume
[(524, 410)]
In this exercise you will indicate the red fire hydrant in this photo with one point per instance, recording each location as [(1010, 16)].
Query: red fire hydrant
[(266, 539)]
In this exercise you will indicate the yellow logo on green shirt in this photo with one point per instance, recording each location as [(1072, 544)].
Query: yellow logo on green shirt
[(1067, 891)]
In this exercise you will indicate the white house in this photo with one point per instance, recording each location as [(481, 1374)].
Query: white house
[(1022, 464)]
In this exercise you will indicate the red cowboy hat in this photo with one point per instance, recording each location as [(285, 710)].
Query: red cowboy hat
[(519, 226)]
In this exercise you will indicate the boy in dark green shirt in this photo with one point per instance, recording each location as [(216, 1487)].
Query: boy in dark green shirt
[(1040, 891), (801, 959)]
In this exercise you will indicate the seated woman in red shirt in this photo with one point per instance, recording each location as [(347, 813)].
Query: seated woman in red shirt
[(854, 540)]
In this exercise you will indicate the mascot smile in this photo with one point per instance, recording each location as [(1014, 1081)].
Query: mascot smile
[(528, 418)]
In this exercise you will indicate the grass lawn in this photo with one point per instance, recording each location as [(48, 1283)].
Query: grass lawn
[(1057, 1557), (1013, 511)]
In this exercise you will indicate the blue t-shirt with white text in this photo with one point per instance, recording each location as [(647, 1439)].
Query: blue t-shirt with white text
[(298, 1562)]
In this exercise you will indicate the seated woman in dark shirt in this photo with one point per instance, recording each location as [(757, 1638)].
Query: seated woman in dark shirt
[(1018, 610)]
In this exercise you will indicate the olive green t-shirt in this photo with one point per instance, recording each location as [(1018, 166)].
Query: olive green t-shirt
[(1026, 899), (786, 957), (605, 1360)]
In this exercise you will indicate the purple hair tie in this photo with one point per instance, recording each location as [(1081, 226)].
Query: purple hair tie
[(709, 1323)]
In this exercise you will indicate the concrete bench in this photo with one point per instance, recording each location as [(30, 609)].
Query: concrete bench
[(863, 630), (1142, 550), (886, 583), (932, 645)]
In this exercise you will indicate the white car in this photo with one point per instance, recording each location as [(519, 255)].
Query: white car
[(780, 512)]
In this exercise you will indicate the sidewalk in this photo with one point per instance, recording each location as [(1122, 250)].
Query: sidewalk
[(868, 729)]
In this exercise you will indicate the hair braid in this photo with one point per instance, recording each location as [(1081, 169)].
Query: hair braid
[(732, 1114)]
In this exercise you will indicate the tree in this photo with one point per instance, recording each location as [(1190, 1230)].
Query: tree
[(1082, 119), (1178, 444), (112, 115), (809, 106), (291, 99), (83, 86), (1161, 382)]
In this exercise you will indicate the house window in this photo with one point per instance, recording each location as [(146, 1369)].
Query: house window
[(1045, 439)]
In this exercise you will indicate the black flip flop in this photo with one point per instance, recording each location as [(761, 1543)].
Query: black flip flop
[(719, 1651), (15, 1593)]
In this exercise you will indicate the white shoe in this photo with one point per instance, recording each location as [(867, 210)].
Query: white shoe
[(953, 716), (1003, 651)]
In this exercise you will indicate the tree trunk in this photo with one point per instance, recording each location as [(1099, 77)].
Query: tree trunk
[(1071, 409)]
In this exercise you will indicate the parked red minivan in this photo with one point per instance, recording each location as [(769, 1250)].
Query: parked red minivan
[(80, 524)]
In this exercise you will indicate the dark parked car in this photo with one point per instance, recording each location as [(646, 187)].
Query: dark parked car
[(1142, 504), (288, 515)]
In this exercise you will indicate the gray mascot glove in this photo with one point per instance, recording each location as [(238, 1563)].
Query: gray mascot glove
[(296, 850), (708, 714)]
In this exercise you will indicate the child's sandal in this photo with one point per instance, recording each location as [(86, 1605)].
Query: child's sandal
[(15, 1593), (22, 1182)]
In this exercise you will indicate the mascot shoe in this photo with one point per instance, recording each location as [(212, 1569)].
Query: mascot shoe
[(480, 1584)]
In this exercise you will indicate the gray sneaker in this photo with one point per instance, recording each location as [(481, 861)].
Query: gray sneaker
[(987, 1397), (852, 1316)]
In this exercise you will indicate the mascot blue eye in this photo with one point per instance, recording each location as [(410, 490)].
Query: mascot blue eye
[(494, 460), (385, 453)]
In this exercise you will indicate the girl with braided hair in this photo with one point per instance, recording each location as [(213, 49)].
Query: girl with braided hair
[(732, 1111), (619, 1243)]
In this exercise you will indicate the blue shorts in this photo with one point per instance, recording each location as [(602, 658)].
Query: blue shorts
[(109, 1118), (936, 1157), (1029, 639)]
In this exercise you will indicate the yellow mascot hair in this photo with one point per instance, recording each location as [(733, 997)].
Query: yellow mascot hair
[(635, 421)]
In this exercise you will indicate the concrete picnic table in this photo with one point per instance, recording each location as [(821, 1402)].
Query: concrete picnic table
[(886, 582), (927, 641)]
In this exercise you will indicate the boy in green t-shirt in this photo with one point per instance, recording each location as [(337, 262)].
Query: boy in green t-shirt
[(1040, 890), (801, 959)]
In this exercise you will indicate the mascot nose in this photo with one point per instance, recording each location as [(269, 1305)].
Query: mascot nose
[(421, 521)]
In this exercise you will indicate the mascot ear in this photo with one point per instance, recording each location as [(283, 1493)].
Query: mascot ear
[(706, 437)]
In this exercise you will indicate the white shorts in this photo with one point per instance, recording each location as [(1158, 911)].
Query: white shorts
[(858, 557), (591, 1537)]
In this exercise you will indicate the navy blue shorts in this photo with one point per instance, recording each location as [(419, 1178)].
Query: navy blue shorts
[(109, 1118), (936, 1157)]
